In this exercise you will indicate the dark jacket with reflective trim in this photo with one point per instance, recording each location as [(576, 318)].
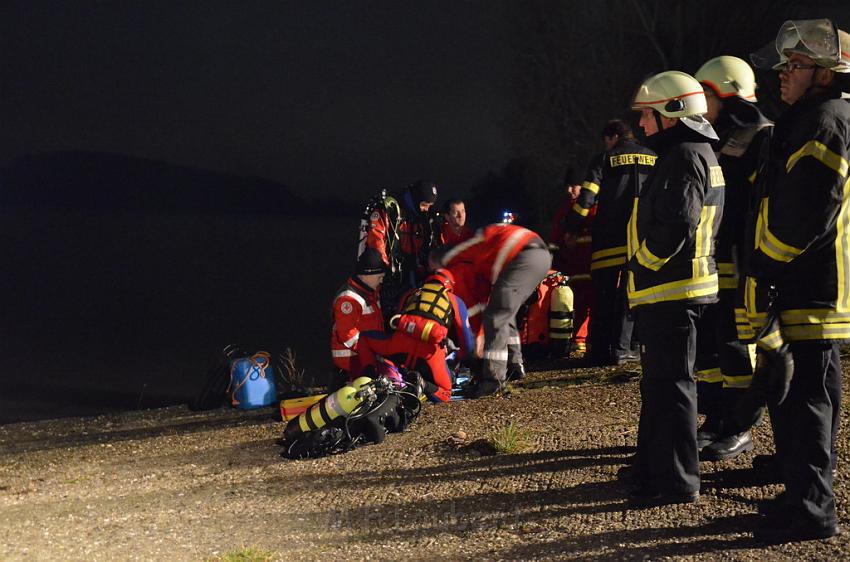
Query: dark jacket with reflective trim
[(612, 181), (741, 142), (674, 223), (802, 230)]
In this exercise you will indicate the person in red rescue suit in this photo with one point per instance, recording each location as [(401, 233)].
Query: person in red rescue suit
[(404, 234), (608, 189), (501, 265), (356, 308), (573, 258), (429, 315), (454, 229)]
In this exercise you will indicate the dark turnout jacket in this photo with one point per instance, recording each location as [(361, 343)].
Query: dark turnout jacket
[(674, 223), (612, 181), (742, 139), (802, 229)]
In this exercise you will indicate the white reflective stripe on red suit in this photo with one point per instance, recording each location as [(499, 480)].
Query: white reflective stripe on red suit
[(506, 250), (360, 300), (450, 255), (352, 341)]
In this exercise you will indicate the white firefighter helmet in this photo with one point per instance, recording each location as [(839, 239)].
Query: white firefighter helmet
[(676, 94), (818, 39), (672, 94), (728, 76)]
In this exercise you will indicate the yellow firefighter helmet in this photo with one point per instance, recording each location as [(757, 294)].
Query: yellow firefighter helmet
[(728, 76)]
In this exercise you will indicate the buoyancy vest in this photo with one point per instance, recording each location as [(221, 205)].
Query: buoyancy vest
[(427, 313)]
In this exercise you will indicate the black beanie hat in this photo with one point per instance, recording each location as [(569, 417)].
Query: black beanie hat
[(370, 263), (571, 177), (423, 190)]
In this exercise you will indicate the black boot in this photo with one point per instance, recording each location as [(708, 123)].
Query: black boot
[(727, 447), (516, 372), (710, 431), (482, 388)]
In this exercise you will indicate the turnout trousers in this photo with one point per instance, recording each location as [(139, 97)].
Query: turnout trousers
[(804, 429), (513, 286), (667, 458), (725, 369), (610, 325)]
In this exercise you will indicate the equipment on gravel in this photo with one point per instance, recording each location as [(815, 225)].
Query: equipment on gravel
[(252, 382), (363, 411)]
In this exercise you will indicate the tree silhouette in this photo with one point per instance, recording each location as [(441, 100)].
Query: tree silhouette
[(580, 63)]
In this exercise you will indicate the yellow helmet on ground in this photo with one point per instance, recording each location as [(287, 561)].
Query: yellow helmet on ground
[(728, 76), (672, 94), (818, 39)]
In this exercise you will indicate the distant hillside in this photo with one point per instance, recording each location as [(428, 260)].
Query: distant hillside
[(95, 180)]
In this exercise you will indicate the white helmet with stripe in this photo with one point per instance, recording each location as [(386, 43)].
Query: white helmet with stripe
[(728, 76), (672, 94)]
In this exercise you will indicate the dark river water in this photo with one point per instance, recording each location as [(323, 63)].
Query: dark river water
[(104, 311)]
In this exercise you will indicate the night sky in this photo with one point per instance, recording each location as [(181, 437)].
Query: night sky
[(325, 97)]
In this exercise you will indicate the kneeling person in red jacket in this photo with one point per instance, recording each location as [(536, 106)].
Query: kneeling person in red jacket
[(356, 309), (429, 315)]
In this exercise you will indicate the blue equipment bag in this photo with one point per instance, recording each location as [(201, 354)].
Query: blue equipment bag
[(252, 382)]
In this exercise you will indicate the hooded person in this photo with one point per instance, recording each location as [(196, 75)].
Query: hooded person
[(403, 233)]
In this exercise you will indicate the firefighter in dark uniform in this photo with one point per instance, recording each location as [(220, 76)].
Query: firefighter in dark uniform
[(802, 248), (730, 89), (671, 278), (612, 183)]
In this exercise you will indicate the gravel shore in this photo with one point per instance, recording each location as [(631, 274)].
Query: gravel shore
[(170, 484)]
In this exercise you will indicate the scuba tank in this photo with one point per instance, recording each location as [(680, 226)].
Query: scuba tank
[(391, 287), (339, 404), (391, 207), (561, 311), (361, 412), (545, 322)]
